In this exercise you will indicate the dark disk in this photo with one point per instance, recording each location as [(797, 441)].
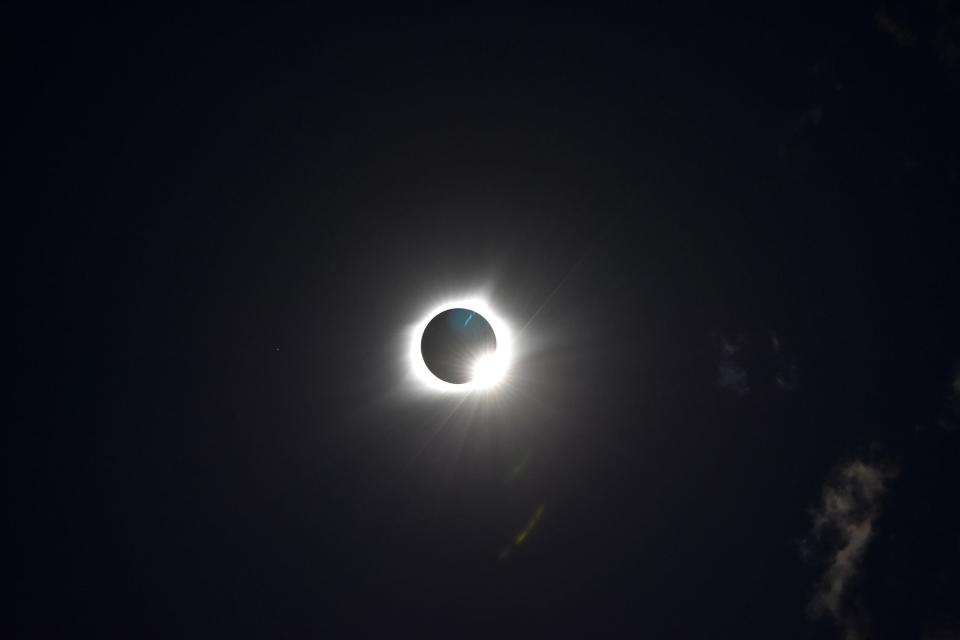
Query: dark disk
[(452, 342)]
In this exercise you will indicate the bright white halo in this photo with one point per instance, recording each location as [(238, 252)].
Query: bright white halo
[(488, 371)]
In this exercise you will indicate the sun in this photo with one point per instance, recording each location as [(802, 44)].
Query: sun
[(488, 371)]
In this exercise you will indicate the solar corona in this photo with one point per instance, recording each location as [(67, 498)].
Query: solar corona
[(460, 346)]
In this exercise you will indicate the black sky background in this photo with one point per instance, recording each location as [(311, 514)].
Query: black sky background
[(220, 220)]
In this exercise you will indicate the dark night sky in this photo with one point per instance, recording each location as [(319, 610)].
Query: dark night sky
[(731, 238)]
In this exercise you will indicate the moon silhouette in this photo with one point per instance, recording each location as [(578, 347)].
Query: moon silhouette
[(454, 342)]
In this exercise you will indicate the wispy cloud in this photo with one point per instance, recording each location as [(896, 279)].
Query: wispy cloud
[(787, 378), (899, 31), (733, 377), (747, 362), (731, 374), (845, 521)]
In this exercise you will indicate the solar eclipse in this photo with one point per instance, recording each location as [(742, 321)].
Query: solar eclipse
[(460, 346)]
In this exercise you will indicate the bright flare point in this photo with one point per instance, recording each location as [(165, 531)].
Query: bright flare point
[(488, 370)]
